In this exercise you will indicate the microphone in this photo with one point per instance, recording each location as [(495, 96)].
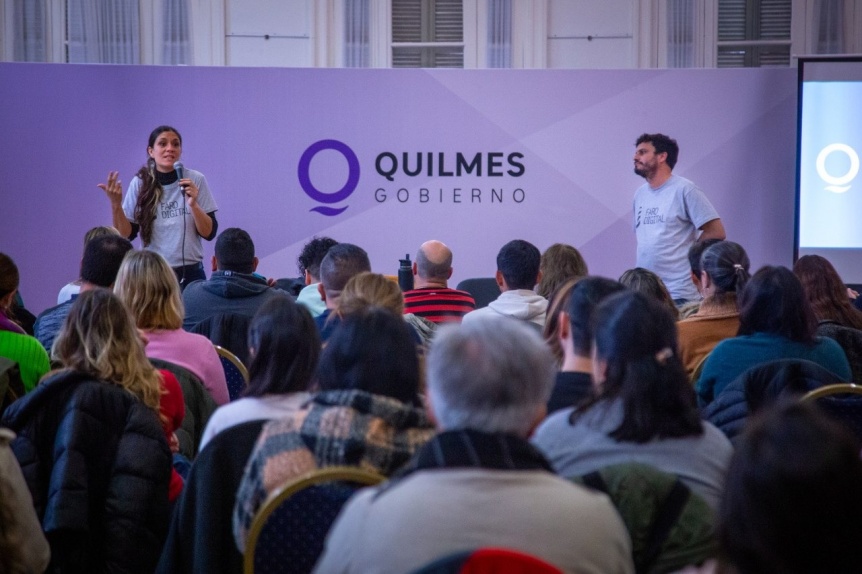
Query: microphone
[(178, 167)]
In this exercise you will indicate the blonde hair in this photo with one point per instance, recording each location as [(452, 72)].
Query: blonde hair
[(149, 288), (99, 338), (560, 262), (370, 289), (99, 231)]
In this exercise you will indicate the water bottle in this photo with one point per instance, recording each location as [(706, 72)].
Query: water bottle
[(405, 273)]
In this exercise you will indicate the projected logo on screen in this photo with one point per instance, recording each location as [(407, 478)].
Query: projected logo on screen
[(838, 183), (304, 173)]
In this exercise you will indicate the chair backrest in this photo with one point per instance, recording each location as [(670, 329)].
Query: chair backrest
[(288, 531), (235, 372), (11, 384), (228, 330), (670, 526), (842, 403), (199, 407), (483, 289), (489, 561)]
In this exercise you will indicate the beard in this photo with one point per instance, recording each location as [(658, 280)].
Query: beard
[(641, 171)]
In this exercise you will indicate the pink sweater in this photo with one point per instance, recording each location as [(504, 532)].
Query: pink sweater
[(192, 352)]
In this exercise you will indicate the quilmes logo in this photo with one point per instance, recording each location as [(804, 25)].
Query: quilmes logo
[(304, 173), (838, 183)]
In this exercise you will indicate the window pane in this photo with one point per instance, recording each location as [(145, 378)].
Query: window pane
[(31, 31), (427, 21), (176, 40), (103, 31), (427, 57), (753, 56)]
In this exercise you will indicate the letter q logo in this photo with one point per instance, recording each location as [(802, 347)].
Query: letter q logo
[(304, 174), (838, 184)]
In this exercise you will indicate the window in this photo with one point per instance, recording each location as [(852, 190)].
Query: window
[(98, 31), (754, 33), (427, 34)]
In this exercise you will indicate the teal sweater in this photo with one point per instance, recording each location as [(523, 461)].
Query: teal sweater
[(732, 357)]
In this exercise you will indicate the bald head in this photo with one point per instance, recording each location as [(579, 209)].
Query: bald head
[(433, 265)]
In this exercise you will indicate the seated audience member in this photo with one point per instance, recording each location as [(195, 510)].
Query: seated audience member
[(233, 287), (792, 500), (478, 482), (340, 263), (431, 298), (373, 289), (643, 408), (15, 344), (645, 281), (775, 322), (23, 548), (102, 258), (309, 267), (284, 349), (517, 273), (695, 252), (724, 272), (575, 379), (558, 302), (366, 413), (70, 290), (836, 316), (560, 263), (92, 446), (149, 288)]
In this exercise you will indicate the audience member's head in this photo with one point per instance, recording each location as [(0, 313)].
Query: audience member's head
[(826, 291), (557, 306), (792, 500), (99, 338), (585, 297), (433, 264), (695, 252), (518, 265), (559, 263), (372, 351), (646, 282), (9, 279), (308, 262), (492, 375), (284, 348), (636, 362), (724, 270), (370, 290), (341, 262), (234, 251), (773, 302), (99, 231), (149, 288), (103, 256), (662, 144)]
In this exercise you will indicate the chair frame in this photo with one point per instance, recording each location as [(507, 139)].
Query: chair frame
[(291, 487), (841, 388), (234, 360)]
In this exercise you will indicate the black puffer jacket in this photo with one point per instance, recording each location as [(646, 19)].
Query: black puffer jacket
[(97, 464)]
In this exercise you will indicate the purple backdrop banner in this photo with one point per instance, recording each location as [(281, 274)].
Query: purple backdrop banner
[(390, 158)]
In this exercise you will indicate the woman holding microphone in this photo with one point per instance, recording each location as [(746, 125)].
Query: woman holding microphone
[(169, 206)]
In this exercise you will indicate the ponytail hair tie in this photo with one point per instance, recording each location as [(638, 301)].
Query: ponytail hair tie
[(737, 266), (663, 355)]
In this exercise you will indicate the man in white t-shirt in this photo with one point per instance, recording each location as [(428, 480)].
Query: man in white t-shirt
[(670, 213)]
